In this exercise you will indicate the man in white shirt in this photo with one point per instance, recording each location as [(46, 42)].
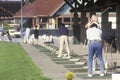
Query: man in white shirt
[(94, 36), (94, 20)]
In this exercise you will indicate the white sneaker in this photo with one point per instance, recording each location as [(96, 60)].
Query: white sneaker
[(89, 75), (59, 56), (101, 74)]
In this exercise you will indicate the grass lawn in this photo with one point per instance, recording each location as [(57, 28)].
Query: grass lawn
[(15, 64)]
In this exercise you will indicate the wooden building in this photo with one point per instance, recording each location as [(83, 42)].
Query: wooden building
[(41, 12)]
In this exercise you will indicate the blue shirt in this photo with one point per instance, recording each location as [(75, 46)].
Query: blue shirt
[(63, 30)]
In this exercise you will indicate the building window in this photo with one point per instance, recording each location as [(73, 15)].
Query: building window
[(43, 19), (59, 21), (77, 19), (43, 22), (66, 19)]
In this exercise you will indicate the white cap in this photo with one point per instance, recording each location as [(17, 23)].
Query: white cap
[(94, 18)]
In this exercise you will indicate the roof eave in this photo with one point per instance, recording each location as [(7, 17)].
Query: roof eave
[(51, 14), (24, 17)]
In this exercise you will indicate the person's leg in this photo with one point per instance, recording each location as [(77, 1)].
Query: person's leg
[(61, 46), (94, 62), (27, 38), (67, 46), (90, 57), (100, 57), (36, 39)]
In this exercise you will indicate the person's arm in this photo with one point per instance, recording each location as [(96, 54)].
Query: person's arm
[(88, 24)]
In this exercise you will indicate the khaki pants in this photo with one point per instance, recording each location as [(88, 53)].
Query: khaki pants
[(26, 38), (64, 41)]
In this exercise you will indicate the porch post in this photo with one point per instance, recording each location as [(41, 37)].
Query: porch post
[(82, 26), (37, 20), (118, 28), (33, 22)]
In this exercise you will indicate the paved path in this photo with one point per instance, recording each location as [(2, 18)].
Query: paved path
[(48, 67)]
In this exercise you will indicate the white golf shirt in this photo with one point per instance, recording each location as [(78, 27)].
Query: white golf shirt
[(94, 33)]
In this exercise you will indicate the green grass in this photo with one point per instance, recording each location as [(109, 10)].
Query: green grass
[(15, 64)]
